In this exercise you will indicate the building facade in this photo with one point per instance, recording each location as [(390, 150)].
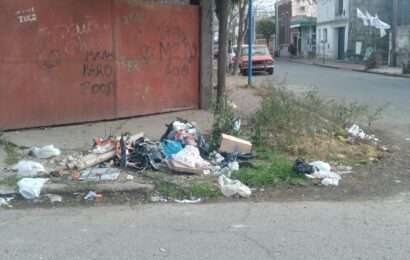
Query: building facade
[(342, 35), (296, 27), (403, 33)]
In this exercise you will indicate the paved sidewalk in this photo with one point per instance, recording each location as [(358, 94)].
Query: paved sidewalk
[(384, 70), (80, 137)]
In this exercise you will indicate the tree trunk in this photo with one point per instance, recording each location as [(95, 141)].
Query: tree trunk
[(223, 6), (243, 25)]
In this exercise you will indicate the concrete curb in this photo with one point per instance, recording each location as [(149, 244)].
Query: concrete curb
[(348, 69), (61, 188), (383, 74)]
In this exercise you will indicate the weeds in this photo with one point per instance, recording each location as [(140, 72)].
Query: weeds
[(196, 190), (273, 170), (10, 181), (285, 117), (187, 190), (12, 155), (224, 123)]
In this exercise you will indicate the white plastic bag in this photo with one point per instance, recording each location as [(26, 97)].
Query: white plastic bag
[(45, 152), (324, 172), (189, 201), (356, 131), (191, 157), (5, 202), (28, 168), (30, 188), (231, 187)]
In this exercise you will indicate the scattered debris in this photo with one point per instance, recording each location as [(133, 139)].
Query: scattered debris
[(91, 160), (231, 187), (142, 155), (171, 147), (341, 169), (45, 152), (324, 172), (28, 169), (76, 176), (100, 174), (231, 144), (54, 198), (6, 202), (189, 160), (193, 201), (163, 250), (130, 177), (356, 132), (158, 199), (102, 146), (384, 148), (216, 158), (30, 188), (92, 195), (56, 173), (301, 167)]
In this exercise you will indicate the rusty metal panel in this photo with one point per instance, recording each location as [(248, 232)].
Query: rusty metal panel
[(56, 62), (75, 61), (158, 61)]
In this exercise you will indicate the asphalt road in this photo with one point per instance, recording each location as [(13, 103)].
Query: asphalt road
[(392, 93), (378, 229), (244, 230)]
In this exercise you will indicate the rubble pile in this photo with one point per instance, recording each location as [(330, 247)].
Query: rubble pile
[(181, 149)]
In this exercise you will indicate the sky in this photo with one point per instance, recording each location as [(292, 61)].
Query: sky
[(265, 6)]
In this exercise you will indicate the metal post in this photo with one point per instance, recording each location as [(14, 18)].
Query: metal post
[(250, 41)]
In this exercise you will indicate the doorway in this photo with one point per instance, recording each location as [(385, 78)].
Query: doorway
[(341, 43)]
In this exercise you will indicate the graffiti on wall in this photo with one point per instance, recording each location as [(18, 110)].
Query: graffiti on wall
[(177, 51), (98, 70), (26, 15), (74, 37)]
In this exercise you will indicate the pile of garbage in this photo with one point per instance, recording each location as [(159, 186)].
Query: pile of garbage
[(323, 171), (181, 149)]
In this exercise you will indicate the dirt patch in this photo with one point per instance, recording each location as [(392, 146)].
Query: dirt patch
[(373, 180)]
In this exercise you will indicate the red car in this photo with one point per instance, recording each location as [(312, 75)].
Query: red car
[(262, 61)]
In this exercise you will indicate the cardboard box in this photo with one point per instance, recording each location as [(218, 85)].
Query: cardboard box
[(232, 144), (180, 167)]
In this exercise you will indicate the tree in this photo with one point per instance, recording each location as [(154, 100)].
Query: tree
[(222, 12), (266, 27), (243, 27)]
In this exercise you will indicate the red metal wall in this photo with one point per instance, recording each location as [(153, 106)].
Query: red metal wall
[(83, 60)]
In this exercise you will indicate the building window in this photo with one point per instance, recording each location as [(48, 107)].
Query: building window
[(324, 35), (339, 7)]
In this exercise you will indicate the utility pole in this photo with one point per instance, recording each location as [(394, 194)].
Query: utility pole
[(394, 32), (250, 42)]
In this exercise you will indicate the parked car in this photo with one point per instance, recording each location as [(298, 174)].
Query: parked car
[(262, 61)]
